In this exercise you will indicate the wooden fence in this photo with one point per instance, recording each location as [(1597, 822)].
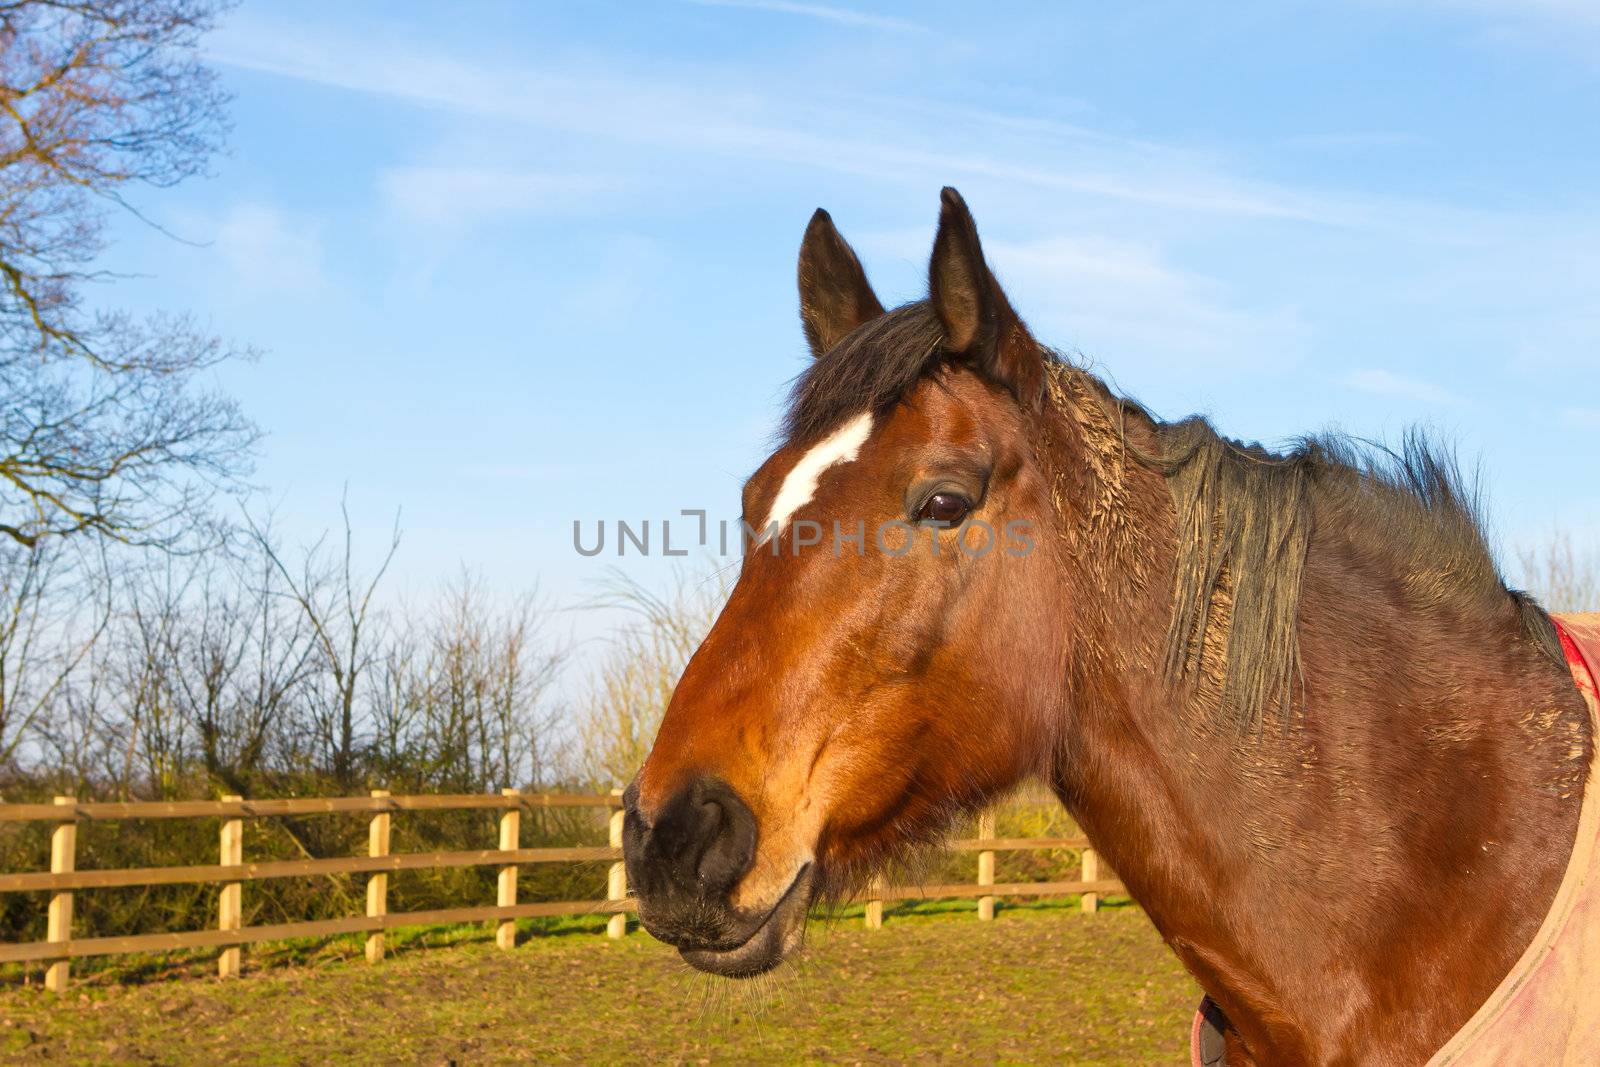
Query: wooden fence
[(231, 872)]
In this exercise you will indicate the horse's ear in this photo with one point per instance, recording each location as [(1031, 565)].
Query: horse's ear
[(978, 321), (835, 296)]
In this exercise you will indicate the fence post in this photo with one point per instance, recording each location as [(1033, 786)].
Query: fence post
[(986, 864), (617, 876), (1091, 873), (505, 934), (230, 902), (63, 860), (873, 913), (377, 881)]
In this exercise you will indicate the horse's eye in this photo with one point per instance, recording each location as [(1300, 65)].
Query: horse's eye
[(947, 509)]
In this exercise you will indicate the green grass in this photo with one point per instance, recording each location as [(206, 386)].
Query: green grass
[(1040, 984)]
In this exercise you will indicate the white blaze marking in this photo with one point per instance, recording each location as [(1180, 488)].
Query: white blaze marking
[(800, 486)]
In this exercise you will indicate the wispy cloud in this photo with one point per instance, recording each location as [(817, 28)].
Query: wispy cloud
[(269, 250), (1116, 297), (824, 12), (1113, 297), (837, 134), (1388, 383), (1033, 176), (465, 196), (1585, 418), (1573, 12), (1352, 140)]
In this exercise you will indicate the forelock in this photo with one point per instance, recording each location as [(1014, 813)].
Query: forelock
[(869, 371)]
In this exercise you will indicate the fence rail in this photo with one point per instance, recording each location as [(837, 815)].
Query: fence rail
[(69, 807), (231, 872)]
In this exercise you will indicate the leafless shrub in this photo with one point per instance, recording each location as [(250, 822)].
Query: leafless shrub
[(629, 691), (1563, 576)]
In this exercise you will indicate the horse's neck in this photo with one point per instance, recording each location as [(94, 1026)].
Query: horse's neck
[(1359, 877)]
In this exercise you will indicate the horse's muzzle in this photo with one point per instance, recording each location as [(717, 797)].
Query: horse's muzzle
[(683, 866)]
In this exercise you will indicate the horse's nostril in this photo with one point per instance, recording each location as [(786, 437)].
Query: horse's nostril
[(699, 846), (630, 799), (729, 842)]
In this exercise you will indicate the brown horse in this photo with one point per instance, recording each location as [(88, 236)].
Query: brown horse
[(1332, 756)]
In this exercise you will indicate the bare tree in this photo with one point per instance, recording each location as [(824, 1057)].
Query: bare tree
[(523, 667), (238, 659), (337, 605), (399, 685), (260, 669), (460, 697), (50, 618), (1562, 576), (629, 692), (104, 429), (491, 674), (160, 732), (283, 657)]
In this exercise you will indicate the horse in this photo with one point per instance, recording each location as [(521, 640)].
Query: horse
[(1287, 695)]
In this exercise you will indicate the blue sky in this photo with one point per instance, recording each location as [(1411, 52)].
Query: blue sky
[(514, 264)]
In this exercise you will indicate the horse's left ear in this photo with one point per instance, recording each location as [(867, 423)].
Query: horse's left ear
[(978, 321)]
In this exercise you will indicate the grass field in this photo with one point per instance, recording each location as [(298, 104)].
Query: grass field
[(1041, 984)]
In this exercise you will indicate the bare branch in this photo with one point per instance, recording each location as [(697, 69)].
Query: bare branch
[(105, 431)]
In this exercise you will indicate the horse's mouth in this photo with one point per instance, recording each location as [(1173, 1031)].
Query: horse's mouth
[(773, 938)]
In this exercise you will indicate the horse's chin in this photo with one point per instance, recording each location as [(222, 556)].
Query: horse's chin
[(770, 943)]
